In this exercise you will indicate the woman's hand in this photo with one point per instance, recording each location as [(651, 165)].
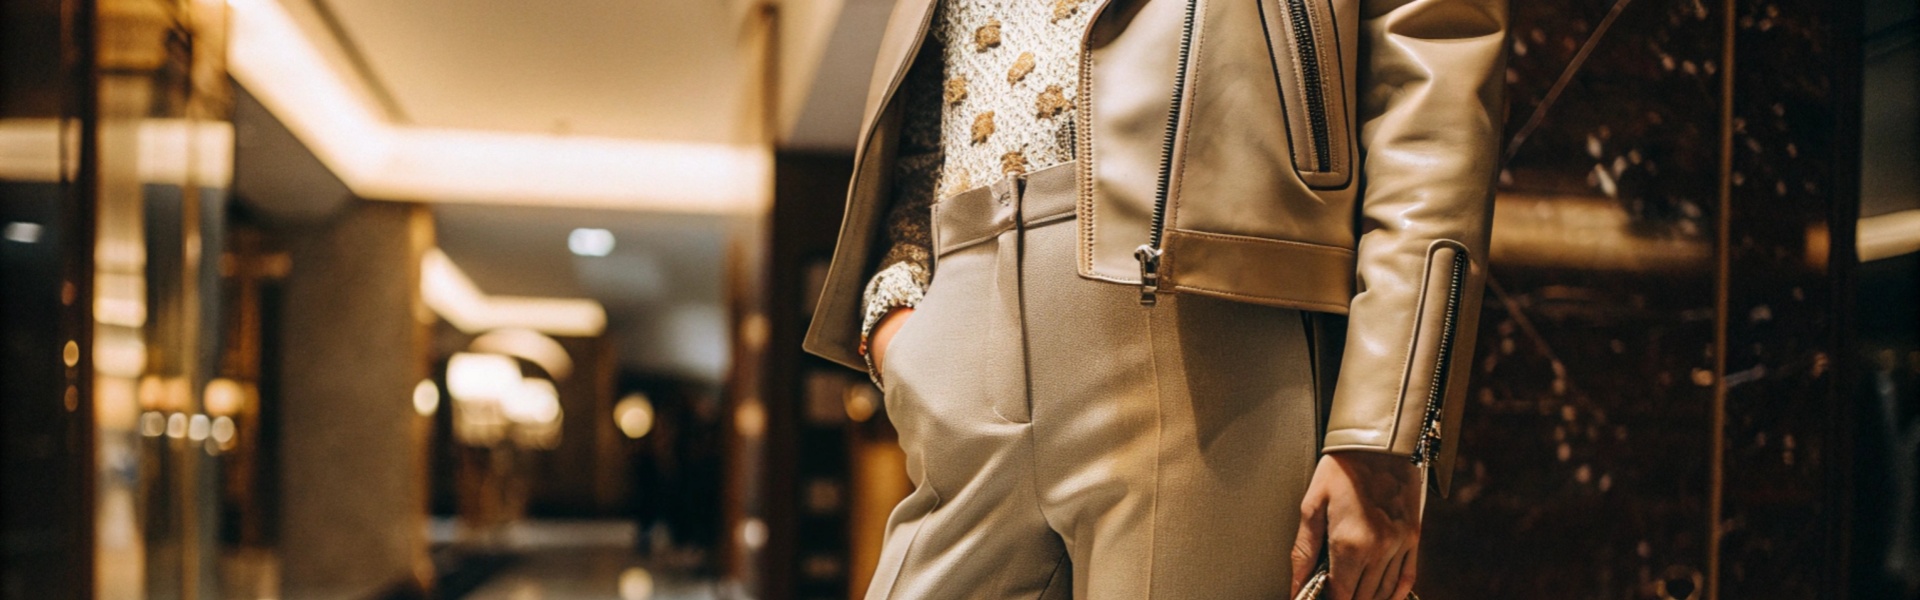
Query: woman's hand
[(882, 335), (1366, 505)]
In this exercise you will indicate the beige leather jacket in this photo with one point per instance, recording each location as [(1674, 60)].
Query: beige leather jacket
[(1334, 156)]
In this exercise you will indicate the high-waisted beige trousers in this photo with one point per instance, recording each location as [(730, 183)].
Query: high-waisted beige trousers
[(1066, 441)]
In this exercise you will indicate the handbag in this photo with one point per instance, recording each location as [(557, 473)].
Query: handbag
[(1318, 583)]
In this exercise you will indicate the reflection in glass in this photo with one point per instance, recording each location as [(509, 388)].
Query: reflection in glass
[(164, 167)]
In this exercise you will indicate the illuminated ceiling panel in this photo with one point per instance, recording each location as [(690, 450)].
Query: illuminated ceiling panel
[(345, 126)]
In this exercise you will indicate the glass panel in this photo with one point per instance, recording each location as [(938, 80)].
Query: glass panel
[(164, 168)]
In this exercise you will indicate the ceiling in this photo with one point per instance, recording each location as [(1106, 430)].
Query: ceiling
[(662, 285), (666, 70), (828, 49), (648, 70), (655, 70)]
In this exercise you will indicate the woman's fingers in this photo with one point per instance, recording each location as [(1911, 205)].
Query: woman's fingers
[(1308, 540), (1371, 572), (1389, 577), (1409, 569)]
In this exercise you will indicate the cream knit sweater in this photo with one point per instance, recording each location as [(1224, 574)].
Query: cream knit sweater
[(996, 102)]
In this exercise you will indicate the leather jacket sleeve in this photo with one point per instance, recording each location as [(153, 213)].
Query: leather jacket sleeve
[(1430, 85)]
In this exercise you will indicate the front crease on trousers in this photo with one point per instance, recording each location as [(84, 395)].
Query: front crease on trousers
[(1065, 441)]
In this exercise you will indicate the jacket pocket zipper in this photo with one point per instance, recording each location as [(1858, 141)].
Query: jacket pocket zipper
[(1149, 253), (1311, 83), (1427, 449)]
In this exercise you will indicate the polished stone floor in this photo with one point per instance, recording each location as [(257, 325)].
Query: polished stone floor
[(575, 560)]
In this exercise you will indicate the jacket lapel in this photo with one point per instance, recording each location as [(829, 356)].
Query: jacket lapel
[(906, 27)]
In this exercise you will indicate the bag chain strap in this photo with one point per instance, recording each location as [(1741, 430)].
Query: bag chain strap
[(1318, 583)]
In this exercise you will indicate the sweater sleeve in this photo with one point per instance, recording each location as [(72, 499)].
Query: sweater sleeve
[(905, 269)]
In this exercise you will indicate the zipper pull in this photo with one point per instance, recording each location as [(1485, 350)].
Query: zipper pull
[(1149, 258)]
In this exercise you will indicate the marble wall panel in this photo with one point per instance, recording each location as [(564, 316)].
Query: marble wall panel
[(1791, 76), (1588, 466), (1585, 468)]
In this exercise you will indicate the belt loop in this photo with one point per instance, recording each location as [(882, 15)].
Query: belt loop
[(1006, 192)]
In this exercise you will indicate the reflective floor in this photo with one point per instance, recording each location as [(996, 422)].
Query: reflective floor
[(589, 560)]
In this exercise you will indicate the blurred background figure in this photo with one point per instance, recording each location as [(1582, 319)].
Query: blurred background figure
[(362, 299)]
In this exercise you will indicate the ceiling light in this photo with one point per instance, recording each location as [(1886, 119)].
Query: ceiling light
[(177, 425), (528, 344), (28, 233), (271, 54), (199, 427), (473, 376), (426, 398), (224, 397), (590, 242), (634, 415), (447, 290), (636, 584), (533, 401), (223, 430)]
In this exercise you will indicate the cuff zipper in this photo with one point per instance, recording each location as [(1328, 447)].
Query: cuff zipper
[(1426, 450)]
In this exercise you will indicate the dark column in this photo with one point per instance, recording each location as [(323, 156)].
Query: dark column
[(352, 470), (47, 417), (1793, 200)]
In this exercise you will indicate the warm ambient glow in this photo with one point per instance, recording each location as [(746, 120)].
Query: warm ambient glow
[(30, 150), (533, 402), (198, 427), (447, 290), (271, 55), (478, 377), (426, 398), (634, 415), (224, 397), (223, 431), (533, 408), (530, 345), (636, 583), (750, 418)]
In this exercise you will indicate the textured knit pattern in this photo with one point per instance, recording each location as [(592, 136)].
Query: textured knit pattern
[(1008, 55), (995, 103)]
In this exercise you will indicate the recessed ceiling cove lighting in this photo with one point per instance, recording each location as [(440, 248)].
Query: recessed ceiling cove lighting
[(590, 242)]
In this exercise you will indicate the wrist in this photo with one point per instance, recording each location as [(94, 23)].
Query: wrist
[(873, 345)]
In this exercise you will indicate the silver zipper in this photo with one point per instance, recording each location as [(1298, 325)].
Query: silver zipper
[(1149, 253), (1427, 448), (1149, 258)]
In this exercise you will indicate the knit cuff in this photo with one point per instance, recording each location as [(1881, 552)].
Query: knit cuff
[(899, 285)]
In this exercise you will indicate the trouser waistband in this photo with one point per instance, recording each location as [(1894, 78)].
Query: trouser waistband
[(979, 214)]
